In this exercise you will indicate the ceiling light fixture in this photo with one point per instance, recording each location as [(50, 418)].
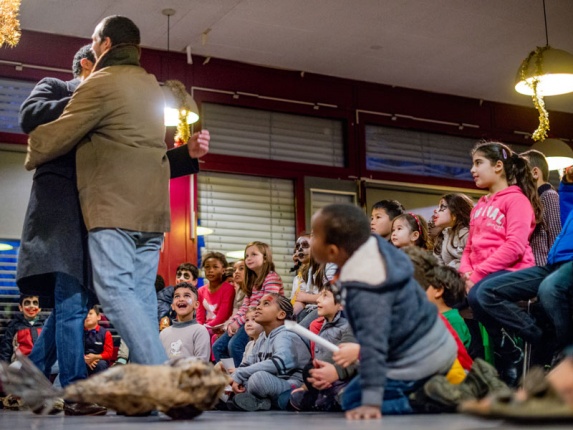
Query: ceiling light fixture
[(559, 155), (180, 108), (545, 72)]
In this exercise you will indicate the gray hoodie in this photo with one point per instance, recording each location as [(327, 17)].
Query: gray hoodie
[(398, 329), (281, 353)]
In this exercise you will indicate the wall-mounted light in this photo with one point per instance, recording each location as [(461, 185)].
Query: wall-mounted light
[(5, 247), (237, 255), (204, 231)]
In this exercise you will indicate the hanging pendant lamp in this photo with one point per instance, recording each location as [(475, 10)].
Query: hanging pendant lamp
[(180, 108)]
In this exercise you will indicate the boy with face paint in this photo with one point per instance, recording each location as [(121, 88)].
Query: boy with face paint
[(23, 330), (274, 367), (186, 338)]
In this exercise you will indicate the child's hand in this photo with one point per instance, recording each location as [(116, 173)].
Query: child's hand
[(198, 144), (237, 388), (469, 285), (323, 375), (232, 329), (348, 354), (367, 412)]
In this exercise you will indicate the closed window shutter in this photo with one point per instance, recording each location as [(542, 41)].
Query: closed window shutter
[(241, 209), (12, 95), (321, 198), (418, 153), (273, 136)]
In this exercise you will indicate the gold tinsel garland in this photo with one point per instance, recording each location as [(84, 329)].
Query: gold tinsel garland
[(180, 93), (9, 23), (541, 132)]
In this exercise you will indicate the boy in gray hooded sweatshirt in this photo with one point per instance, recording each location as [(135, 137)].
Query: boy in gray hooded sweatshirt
[(403, 342), (275, 364)]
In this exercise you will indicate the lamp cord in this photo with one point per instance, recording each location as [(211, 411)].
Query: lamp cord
[(169, 26), (545, 18)]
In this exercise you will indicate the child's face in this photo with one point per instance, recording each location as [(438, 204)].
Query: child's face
[(485, 173), (92, 319), (239, 272), (184, 303), (434, 295), (380, 223), (402, 234), (326, 306), (302, 250), (185, 276), (268, 310), (30, 307), (442, 217), (214, 270), (254, 258), (252, 328)]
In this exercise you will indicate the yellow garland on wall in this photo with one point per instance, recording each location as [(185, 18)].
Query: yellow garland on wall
[(9, 24), (180, 93), (541, 132)]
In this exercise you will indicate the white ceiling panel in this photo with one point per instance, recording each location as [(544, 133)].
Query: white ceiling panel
[(461, 47)]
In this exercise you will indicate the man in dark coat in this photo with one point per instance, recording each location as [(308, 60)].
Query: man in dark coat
[(53, 261)]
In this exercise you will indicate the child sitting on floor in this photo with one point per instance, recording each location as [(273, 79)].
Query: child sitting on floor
[(323, 379), (186, 338), (403, 341), (253, 329), (98, 343), (275, 365)]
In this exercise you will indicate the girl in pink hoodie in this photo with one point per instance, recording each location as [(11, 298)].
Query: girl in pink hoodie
[(500, 226)]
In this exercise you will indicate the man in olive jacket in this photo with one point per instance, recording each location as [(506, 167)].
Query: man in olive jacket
[(116, 120)]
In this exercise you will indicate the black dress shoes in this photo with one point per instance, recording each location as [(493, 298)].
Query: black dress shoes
[(72, 409)]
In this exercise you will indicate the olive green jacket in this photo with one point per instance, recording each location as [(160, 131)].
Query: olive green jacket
[(115, 118)]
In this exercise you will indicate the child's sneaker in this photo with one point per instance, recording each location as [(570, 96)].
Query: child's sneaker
[(249, 403)]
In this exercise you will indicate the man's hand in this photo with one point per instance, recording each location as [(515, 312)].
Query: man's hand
[(198, 144), (367, 412), (347, 354), (323, 375), (237, 388)]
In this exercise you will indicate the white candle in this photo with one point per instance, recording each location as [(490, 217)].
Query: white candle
[(301, 331)]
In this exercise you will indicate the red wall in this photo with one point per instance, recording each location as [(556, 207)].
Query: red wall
[(495, 120)]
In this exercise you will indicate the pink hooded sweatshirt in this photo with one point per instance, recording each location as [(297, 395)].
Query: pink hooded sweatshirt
[(500, 227)]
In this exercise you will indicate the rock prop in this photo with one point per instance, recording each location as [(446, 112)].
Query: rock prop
[(182, 388)]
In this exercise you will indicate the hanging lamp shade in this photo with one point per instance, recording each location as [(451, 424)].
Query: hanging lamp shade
[(559, 155), (172, 108), (552, 68)]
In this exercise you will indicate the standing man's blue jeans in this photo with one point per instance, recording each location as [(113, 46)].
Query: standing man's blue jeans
[(231, 346), (62, 336), (124, 267), (395, 400)]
